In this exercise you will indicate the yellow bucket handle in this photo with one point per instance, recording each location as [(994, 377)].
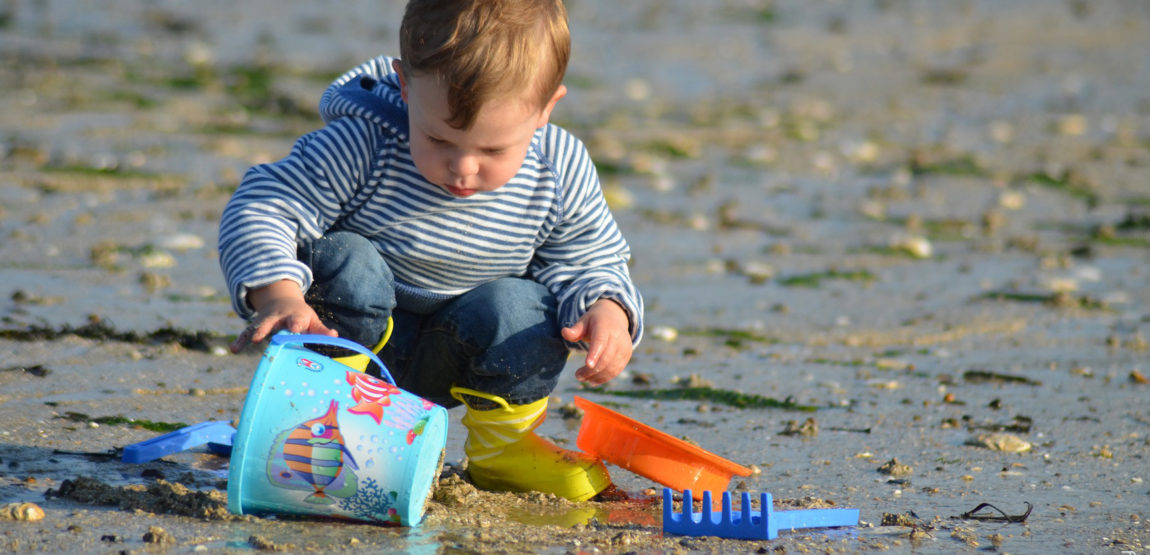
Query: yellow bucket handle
[(386, 335), (459, 392)]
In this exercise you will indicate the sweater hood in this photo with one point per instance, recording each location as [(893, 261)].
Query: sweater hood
[(370, 91)]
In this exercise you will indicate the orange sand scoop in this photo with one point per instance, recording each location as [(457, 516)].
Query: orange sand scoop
[(650, 453)]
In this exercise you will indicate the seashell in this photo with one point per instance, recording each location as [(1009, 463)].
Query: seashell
[(181, 242), (618, 198), (664, 333), (28, 512), (1060, 284), (1012, 200), (873, 209), (916, 246), (159, 259), (1072, 125), (1002, 132), (892, 364), (637, 89), (895, 469), (1008, 443), (758, 272)]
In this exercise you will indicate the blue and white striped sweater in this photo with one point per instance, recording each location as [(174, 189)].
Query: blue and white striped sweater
[(550, 222)]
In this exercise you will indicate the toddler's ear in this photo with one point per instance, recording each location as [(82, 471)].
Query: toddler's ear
[(398, 67), (545, 115)]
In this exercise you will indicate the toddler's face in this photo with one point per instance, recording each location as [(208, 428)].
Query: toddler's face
[(482, 158)]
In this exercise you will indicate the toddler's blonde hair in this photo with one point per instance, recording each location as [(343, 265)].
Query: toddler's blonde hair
[(485, 49)]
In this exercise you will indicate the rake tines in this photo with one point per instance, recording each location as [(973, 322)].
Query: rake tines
[(746, 523)]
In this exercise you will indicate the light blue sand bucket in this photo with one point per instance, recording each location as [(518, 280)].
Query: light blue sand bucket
[(319, 438)]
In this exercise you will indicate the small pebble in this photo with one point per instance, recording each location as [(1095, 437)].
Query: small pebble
[(896, 469), (158, 535)]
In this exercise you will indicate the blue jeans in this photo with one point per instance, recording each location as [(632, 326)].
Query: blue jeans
[(500, 338)]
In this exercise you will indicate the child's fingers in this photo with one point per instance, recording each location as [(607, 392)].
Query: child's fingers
[(573, 333), (600, 369), (257, 330), (244, 339), (239, 344), (319, 327), (599, 346)]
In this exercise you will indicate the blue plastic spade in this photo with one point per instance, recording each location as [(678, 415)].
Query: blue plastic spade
[(747, 524), (218, 436)]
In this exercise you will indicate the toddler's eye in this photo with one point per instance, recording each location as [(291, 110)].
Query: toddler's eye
[(436, 140)]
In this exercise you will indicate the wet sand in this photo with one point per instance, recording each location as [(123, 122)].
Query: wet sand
[(927, 221)]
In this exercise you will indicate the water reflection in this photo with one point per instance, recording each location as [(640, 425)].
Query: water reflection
[(644, 511)]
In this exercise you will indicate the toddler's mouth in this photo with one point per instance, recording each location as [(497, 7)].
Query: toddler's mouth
[(459, 191)]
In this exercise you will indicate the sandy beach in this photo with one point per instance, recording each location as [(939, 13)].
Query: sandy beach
[(894, 256)]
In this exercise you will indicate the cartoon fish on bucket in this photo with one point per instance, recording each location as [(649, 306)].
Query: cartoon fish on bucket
[(387, 404), (370, 394), (417, 430), (314, 452)]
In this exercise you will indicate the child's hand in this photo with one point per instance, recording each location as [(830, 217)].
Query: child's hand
[(605, 329), (279, 306)]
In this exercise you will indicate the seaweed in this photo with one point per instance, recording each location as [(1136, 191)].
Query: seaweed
[(606, 168), (37, 370), (815, 279), (833, 362), (943, 229), (734, 338), (672, 148), (1000, 517), (1066, 183), (118, 420), (1019, 424), (983, 376), (944, 76), (99, 330), (959, 166), (721, 396), (1059, 299), (84, 170), (1112, 235)]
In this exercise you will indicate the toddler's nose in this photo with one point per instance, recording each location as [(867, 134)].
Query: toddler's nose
[(464, 166)]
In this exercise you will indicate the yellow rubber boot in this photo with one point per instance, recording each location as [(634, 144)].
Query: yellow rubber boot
[(359, 362), (504, 454)]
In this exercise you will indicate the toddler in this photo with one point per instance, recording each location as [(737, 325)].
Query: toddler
[(439, 219)]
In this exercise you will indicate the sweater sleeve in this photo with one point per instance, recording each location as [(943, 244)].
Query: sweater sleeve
[(298, 197), (585, 256)]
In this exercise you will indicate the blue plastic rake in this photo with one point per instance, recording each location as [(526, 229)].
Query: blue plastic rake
[(218, 436), (747, 524)]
